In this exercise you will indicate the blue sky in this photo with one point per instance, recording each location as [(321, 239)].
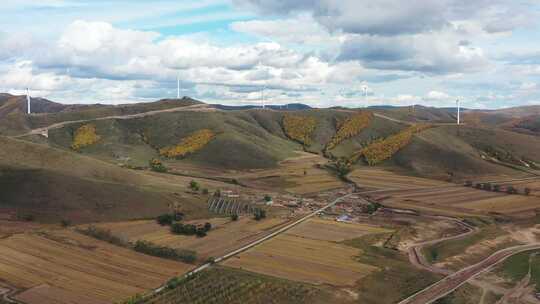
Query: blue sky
[(319, 52)]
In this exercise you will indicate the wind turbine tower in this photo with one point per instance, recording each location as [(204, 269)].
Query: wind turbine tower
[(28, 101), (458, 111), (262, 97)]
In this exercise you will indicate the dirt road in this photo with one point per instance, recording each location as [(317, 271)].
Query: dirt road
[(455, 280), (194, 108)]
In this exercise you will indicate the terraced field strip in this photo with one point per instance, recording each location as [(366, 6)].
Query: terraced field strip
[(378, 178), (315, 261), (74, 265), (504, 204), (329, 230)]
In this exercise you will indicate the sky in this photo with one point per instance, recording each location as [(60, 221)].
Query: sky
[(351, 53)]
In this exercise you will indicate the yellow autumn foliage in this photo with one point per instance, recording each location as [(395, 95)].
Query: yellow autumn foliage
[(299, 128), (386, 148), (352, 126), (85, 136), (194, 142)]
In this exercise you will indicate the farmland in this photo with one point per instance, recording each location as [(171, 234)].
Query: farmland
[(225, 236), (376, 178), (319, 260), (62, 266)]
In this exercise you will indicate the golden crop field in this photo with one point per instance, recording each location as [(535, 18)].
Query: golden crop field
[(69, 267), (225, 236), (316, 256)]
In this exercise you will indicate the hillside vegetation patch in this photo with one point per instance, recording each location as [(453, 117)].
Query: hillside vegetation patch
[(351, 127), (190, 144), (85, 136), (299, 128)]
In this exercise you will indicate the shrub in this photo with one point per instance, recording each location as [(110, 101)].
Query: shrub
[(351, 127), (468, 183), (187, 229), (200, 232), (234, 217), (190, 144), (85, 136), (267, 198), (207, 226), (205, 191), (157, 166), (65, 223), (511, 190), (527, 191), (299, 128), (497, 188)]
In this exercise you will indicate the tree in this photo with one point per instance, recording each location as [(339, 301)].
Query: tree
[(487, 187), (65, 223), (193, 185), (165, 219), (511, 190), (234, 217), (497, 188), (527, 191), (207, 226), (468, 183), (205, 191), (260, 214), (267, 198), (217, 193)]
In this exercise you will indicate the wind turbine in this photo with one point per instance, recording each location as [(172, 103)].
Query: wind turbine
[(458, 111), (262, 91), (28, 101), (365, 90)]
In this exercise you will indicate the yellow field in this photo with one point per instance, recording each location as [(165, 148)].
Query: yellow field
[(309, 253), (63, 266), (225, 235), (374, 178)]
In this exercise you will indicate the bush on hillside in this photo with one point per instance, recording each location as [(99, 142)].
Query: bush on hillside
[(157, 166)]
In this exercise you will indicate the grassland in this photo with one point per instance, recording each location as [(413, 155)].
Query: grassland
[(67, 267), (226, 285), (460, 253), (466, 294)]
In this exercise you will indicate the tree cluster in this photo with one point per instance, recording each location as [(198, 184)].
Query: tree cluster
[(190, 144), (352, 126), (156, 165), (299, 128), (259, 214), (190, 229), (86, 135), (150, 248)]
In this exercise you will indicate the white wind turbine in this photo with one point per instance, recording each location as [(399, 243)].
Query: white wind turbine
[(29, 111)]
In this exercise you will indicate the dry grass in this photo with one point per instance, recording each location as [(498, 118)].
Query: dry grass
[(78, 269)]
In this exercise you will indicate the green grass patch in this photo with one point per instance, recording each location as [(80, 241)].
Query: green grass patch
[(466, 294), (516, 267)]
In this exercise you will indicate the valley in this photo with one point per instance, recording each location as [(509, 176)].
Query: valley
[(179, 201)]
